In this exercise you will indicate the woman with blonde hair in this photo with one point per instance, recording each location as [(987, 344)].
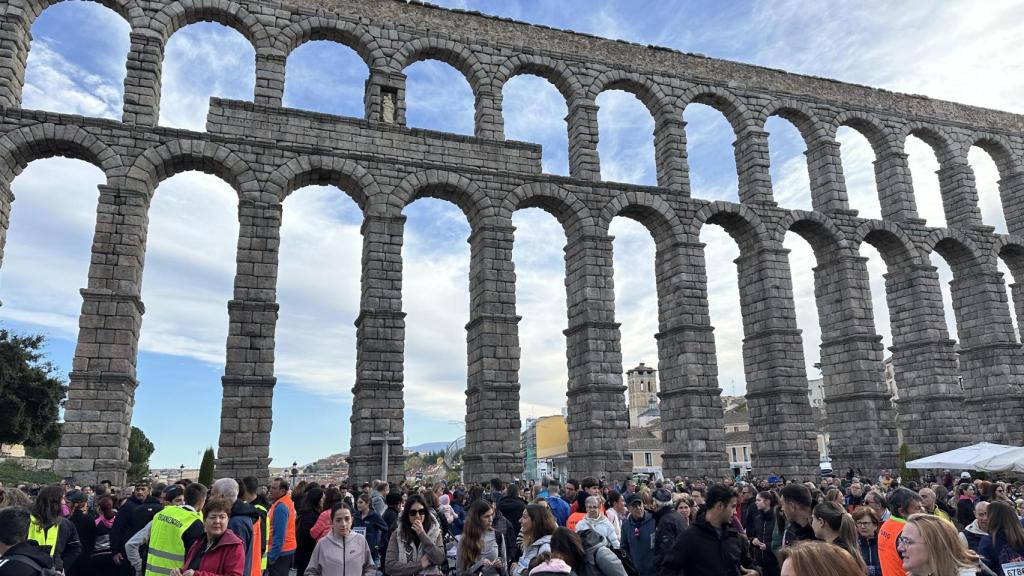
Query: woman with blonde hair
[(813, 558), (929, 546)]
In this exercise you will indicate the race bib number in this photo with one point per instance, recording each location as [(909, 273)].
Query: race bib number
[(1013, 569), (361, 530)]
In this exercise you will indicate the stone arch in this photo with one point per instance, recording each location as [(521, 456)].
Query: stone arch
[(571, 212), (811, 128), (162, 162), (346, 33), (20, 147), (547, 68), (896, 248), (955, 247), (127, 9), (441, 184), (650, 93), (998, 148), (179, 14), (452, 53), (1011, 250), (650, 210), (342, 173), (941, 144), (739, 221), (877, 134), (730, 105), (817, 229)]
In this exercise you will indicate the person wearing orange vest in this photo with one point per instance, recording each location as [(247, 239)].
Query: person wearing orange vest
[(282, 530), (902, 504)]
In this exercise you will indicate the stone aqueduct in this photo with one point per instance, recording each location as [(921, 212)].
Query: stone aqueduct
[(265, 152)]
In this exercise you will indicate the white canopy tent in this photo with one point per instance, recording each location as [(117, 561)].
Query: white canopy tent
[(984, 456)]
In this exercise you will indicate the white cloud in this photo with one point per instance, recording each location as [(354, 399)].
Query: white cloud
[(54, 83)]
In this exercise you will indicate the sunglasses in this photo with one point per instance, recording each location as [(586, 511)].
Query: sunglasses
[(419, 512)]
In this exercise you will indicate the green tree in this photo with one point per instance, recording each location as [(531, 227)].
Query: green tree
[(206, 468), (906, 474), (31, 393), (139, 451)]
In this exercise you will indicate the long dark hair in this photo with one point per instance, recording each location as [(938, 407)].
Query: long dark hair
[(1004, 525), (331, 497), (312, 501), (542, 523), (406, 525), (472, 541), (566, 545), (47, 506)]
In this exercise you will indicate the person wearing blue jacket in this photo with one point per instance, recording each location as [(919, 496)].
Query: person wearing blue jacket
[(637, 539), (559, 508)]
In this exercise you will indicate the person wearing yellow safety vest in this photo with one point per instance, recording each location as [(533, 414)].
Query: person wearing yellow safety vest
[(48, 529), (260, 532), (171, 532)]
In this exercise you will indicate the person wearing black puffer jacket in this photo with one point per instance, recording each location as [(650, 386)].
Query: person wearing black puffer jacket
[(761, 531), (712, 546), (669, 526), (18, 555)]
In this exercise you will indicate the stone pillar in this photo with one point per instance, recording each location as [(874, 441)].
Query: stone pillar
[(895, 187), (492, 335), (377, 403), (692, 424), (991, 359), (101, 396), (670, 154), (959, 194), (6, 202), (861, 419), (752, 162), (384, 97), (15, 39), (584, 162), (248, 383), (142, 82), (1011, 190), (598, 419), (488, 122), (781, 422), (270, 74), (828, 186), (929, 408)]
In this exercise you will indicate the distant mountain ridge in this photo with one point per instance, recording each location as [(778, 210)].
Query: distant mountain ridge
[(428, 447)]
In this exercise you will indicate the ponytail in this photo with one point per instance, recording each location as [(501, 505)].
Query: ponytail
[(840, 521)]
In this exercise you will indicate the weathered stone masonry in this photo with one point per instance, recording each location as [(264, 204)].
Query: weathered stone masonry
[(265, 152)]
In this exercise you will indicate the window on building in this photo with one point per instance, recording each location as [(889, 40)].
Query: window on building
[(648, 459), (734, 454), (745, 457)]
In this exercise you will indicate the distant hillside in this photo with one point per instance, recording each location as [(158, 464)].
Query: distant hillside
[(428, 447)]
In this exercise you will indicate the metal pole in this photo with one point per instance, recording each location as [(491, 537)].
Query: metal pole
[(384, 463)]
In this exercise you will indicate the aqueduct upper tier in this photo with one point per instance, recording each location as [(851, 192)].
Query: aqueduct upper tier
[(266, 151)]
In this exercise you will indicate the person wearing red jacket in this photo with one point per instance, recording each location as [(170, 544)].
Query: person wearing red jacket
[(220, 553)]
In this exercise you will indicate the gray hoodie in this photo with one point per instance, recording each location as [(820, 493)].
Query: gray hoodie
[(334, 556)]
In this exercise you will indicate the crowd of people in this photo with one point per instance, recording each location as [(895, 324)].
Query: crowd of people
[(942, 526)]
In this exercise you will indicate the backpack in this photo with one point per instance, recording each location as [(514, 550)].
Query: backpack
[(29, 562), (593, 543)]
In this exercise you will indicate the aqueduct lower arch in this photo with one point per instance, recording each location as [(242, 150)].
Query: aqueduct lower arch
[(265, 151)]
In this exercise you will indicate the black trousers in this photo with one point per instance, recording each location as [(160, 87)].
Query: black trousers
[(281, 567)]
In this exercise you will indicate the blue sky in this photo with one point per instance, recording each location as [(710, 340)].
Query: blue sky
[(947, 50)]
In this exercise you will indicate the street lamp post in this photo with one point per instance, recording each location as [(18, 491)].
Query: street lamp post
[(295, 472), (181, 471)]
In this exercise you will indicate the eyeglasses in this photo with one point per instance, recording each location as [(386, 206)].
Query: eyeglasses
[(418, 512), (902, 540), (867, 524)]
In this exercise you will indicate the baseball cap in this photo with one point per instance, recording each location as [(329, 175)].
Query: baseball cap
[(173, 491), (965, 474), (633, 499), (76, 496)]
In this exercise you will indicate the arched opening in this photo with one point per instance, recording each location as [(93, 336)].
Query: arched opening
[(791, 184), (325, 76), (539, 257), (710, 154), (191, 247), (626, 139), (53, 220), (435, 264), (858, 159), (535, 111), (924, 166), (986, 181), (1011, 264), (203, 60), (636, 299), (720, 254), (945, 273), (315, 339), (76, 64), (801, 265), (438, 97)]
